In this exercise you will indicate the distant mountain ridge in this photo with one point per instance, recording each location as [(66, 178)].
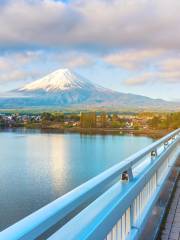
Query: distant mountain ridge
[(64, 88)]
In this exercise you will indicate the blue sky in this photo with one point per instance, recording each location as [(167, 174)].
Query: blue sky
[(124, 45)]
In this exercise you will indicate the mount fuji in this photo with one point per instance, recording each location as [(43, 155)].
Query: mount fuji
[(60, 80), (64, 88)]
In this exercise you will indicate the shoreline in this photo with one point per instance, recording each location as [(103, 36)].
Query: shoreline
[(153, 133), (103, 131)]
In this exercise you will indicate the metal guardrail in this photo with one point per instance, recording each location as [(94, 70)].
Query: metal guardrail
[(122, 208)]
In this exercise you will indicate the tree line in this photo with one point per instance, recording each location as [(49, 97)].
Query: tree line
[(165, 121)]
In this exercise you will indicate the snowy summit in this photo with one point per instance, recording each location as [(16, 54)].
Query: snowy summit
[(59, 80)]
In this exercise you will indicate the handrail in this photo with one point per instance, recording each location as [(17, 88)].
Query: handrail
[(97, 220), (38, 222)]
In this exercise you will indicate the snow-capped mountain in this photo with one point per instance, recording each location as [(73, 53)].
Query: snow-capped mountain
[(64, 88), (60, 80)]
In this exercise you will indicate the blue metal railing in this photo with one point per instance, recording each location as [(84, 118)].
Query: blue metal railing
[(116, 213)]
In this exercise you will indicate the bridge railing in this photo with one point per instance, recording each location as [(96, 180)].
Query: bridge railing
[(119, 208)]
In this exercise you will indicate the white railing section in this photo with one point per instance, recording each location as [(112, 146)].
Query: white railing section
[(141, 201), (122, 227), (119, 208)]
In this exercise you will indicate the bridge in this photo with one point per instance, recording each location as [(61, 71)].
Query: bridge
[(127, 201)]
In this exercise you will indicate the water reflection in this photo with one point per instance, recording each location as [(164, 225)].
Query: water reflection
[(36, 168)]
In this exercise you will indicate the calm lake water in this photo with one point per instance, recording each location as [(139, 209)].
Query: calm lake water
[(36, 168)]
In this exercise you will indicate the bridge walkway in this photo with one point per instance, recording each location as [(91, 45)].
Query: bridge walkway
[(171, 229)]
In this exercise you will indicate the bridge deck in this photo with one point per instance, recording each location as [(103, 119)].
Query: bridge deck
[(171, 230)]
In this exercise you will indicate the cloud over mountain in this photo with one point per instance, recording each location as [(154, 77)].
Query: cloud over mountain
[(139, 38), (102, 23)]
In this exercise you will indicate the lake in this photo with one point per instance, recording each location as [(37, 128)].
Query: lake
[(36, 168)]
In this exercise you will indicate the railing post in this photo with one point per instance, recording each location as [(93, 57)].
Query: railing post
[(166, 144), (127, 175), (153, 154)]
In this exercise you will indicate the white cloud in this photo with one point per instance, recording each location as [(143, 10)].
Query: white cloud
[(139, 80), (148, 65), (4, 64), (154, 77), (137, 35), (102, 23), (73, 59), (133, 59), (13, 66), (170, 64), (15, 75)]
